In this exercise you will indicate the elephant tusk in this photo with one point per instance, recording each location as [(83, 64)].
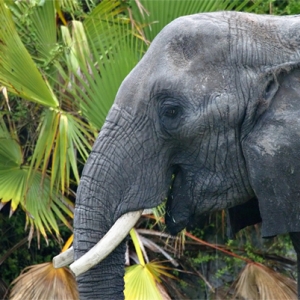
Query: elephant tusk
[(67, 257), (63, 259), (107, 244)]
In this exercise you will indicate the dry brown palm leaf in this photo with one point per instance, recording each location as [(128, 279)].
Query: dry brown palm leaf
[(162, 291), (257, 281), (3, 289), (43, 281)]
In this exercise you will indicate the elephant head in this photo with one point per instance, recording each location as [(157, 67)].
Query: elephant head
[(214, 101)]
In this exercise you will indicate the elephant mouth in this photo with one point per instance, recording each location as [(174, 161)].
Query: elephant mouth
[(179, 202), (121, 229)]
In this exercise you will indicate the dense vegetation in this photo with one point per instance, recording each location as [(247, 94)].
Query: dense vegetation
[(61, 63)]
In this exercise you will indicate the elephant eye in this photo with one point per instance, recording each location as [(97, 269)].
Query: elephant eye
[(171, 112), (170, 116)]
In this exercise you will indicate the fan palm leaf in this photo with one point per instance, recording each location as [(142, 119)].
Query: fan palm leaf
[(257, 281), (100, 23), (17, 69), (61, 135), (33, 192), (96, 72), (83, 70), (143, 280), (163, 12), (43, 281)]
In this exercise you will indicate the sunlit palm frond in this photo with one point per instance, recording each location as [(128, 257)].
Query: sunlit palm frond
[(42, 206), (61, 135), (45, 206), (95, 72), (11, 174), (143, 280), (68, 243), (71, 6), (140, 284), (10, 150), (17, 70), (257, 281), (30, 190), (37, 27), (244, 5), (163, 12), (103, 24), (43, 281), (86, 84)]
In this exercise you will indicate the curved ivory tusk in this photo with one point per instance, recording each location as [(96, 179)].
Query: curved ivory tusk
[(63, 259), (107, 244)]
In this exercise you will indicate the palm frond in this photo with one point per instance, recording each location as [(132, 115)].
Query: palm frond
[(257, 281), (143, 280), (60, 136), (245, 5), (102, 25), (31, 190), (45, 206), (68, 243), (70, 6), (11, 175), (96, 71), (10, 150), (3, 289), (140, 284), (163, 12), (36, 24), (43, 281), (17, 70), (34, 195)]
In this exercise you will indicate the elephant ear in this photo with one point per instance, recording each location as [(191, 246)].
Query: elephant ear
[(272, 153)]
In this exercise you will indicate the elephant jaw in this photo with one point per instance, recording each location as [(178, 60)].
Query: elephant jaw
[(102, 249)]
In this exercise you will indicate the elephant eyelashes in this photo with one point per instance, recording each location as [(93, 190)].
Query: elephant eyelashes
[(171, 112)]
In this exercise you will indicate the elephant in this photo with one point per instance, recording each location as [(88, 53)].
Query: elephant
[(213, 110)]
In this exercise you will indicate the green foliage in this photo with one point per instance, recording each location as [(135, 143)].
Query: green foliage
[(82, 65), (61, 82), (62, 63), (251, 253), (13, 236), (276, 7)]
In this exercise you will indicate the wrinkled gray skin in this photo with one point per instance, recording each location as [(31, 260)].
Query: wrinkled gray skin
[(216, 101)]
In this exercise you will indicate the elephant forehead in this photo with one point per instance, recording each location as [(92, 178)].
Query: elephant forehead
[(194, 41), (228, 38), (209, 48), (184, 46)]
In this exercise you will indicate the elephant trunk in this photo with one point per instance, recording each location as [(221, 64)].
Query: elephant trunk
[(91, 222), (119, 177), (98, 198)]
